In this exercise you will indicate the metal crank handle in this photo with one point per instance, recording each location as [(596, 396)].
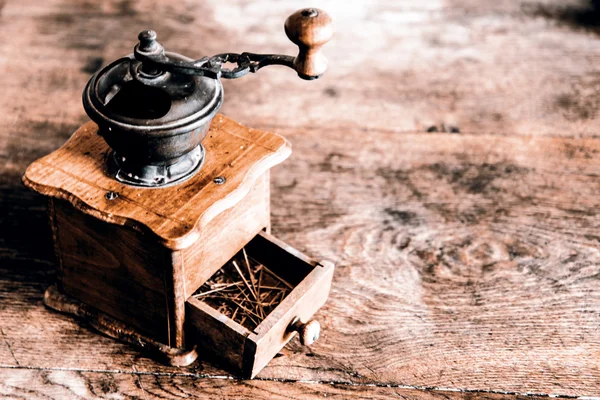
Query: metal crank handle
[(309, 29)]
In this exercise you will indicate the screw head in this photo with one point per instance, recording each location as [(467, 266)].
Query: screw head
[(219, 180), (111, 195)]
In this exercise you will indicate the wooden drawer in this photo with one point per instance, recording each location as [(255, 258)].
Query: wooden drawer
[(248, 351)]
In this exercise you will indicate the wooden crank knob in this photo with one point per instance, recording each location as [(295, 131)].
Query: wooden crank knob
[(309, 29), (309, 332)]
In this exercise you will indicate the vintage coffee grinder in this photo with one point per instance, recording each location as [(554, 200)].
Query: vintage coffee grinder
[(150, 201)]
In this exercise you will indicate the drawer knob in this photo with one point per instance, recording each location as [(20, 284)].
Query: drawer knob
[(309, 332)]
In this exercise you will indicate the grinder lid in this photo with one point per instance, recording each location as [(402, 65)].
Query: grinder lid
[(130, 96)]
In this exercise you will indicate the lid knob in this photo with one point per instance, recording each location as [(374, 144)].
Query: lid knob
[(309, 29), (148, 46), (147, 40)]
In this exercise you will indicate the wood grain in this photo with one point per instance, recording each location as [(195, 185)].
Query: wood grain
[(77, 173), (48, 384), (471, 256), (464, 261), (228, 232), (118, 330), (121, 277)]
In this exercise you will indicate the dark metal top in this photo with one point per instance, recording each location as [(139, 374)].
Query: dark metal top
[(158, 92), (154, 107)]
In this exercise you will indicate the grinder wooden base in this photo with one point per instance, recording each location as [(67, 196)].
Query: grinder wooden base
[(133, 257)]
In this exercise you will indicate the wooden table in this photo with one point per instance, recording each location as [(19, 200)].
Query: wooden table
[(447, 163)]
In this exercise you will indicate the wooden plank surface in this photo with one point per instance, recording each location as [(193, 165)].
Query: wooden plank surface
[(482, 66), (60, 384), (466, 262)]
